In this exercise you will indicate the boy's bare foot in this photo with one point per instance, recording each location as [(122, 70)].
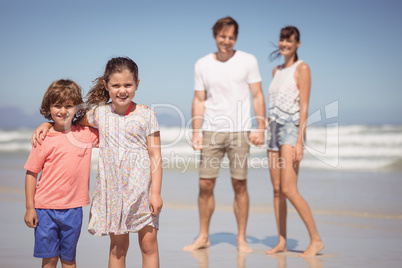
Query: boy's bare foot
[(313, 249), (277, 249), (199, 243), (242, 247)]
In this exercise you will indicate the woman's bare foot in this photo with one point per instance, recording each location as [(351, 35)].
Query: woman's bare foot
[(199, 243), (313, 249), (242, 247), (277, 249)]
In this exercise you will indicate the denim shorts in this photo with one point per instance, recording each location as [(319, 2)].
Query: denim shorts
[(280, 134), (57, 233)]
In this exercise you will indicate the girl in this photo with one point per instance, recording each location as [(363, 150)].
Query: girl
[(127, 196), (288, 97)]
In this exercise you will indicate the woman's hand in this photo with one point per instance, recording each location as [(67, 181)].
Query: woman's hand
[(298, 152)]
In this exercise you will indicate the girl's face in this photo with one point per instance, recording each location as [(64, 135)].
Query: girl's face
[(121, 88), (62, 115), (288, 46)]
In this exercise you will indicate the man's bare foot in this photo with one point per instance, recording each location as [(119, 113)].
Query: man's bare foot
[(242, 247), (277, 249), (313, 262), (199, 243), (313, 249), (202, 256)]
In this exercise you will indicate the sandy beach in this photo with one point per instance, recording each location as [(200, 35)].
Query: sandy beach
[(358, 214)]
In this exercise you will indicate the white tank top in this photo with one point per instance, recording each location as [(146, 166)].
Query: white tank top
[(283, 96)]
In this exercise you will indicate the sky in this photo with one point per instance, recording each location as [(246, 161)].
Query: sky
[(353, 48)]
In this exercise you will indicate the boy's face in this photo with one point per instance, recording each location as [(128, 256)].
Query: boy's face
[(62, 115)]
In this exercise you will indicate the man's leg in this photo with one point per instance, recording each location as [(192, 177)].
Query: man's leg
[(241, 209), (206, 206), (238, 154)]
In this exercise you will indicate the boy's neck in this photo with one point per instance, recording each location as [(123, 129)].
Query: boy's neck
[(60, 128)]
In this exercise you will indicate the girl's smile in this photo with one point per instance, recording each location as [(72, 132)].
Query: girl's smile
[(121, 87)]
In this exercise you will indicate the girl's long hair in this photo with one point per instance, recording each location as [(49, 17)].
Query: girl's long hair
[(98, 94), (286, 33)]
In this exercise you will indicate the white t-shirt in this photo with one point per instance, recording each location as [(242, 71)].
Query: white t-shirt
[(227, 103)]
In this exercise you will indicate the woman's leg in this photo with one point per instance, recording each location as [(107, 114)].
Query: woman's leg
[(289, 175), (147, 239), (118, 250), (275, 163)]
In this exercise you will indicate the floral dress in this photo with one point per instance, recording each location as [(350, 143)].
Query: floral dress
[(120, 203)]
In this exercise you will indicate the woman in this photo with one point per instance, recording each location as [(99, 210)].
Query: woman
[(288, 97)]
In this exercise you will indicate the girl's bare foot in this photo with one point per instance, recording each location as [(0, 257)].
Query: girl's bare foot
[(277, 249), (199, 243), (313, 249)]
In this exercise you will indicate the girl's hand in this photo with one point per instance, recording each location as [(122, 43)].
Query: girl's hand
[(298, 152), (40, 133), (155, 204), (31, 219)]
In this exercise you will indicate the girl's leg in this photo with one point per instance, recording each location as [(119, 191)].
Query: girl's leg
[(280, 207), (147, 239), (289, 174), (50, 262), (118, 250)]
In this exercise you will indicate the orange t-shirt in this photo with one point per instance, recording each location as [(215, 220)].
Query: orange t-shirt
[(65, 161)]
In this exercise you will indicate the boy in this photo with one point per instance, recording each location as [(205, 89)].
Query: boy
[(54, 203)]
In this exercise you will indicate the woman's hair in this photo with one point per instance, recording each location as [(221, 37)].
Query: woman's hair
[(59, 92), (224, 22), (286, 33), (98, 93)]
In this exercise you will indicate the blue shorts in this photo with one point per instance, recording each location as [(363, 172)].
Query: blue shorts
[(57, 233), (279, 134)]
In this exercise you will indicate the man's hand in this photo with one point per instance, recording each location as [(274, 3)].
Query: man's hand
[(196, 142), (257, 137)]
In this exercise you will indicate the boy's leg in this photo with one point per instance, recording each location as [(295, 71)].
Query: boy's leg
[(47, 243), (70, 230), (50, 262), (147, 239), (67, 264)]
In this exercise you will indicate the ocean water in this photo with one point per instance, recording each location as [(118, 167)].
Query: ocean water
[(351, 148)]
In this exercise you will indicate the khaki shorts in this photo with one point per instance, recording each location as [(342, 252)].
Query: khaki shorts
[(216, 144)]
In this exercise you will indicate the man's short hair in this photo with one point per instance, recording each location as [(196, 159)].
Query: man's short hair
[(225, 22)]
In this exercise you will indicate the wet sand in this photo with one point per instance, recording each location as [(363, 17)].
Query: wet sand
[(358, 215)]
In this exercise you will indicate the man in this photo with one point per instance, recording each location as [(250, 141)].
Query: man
[(223, 83)]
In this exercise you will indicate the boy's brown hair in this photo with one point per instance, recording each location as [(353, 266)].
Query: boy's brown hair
[(60, 91)]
